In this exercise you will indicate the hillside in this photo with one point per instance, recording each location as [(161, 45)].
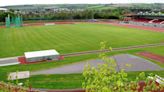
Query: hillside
[(85, 6)]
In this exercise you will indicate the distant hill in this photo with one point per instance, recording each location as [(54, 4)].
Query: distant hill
[(85, 6)]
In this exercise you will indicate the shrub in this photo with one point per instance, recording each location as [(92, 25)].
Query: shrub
[(105, 78)]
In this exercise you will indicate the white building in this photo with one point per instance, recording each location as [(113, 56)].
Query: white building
[(42, 55), (3, 9)]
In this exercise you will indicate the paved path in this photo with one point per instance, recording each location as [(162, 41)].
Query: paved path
[(114, 49), (12, 60), (9, 61), (137, 64), (68, 69)]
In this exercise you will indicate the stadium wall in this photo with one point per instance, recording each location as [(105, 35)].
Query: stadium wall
[(144, 24)]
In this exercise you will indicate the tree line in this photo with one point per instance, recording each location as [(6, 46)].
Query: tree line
[(68, 15)]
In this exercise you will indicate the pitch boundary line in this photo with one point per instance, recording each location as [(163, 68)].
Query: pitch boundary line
[(99, 51), (114, 49)]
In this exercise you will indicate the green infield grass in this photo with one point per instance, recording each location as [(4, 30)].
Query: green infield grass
[(71, 38), (71, 81), (47, 65)]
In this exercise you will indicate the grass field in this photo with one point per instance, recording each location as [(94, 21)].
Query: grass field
[(47, 65), (71, 38), (100, 7), (70, 81)]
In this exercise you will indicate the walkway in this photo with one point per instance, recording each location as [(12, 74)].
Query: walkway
[(13, 60), (136, 64)]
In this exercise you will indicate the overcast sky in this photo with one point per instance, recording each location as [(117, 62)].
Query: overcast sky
[(22, 2)]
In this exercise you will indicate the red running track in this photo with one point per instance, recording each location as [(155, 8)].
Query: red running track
[(152, 56)]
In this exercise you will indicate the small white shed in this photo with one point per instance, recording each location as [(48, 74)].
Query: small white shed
[(42, 55), (18, 75)]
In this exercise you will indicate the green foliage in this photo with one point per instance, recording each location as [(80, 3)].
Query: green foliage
[(9, 87), (3, 15), (15, 86), (105, 78), (71, 81), (76, 14)]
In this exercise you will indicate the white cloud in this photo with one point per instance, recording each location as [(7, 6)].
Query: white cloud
[(20, 2)]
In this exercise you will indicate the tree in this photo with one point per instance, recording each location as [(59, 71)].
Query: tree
[(105, 78)]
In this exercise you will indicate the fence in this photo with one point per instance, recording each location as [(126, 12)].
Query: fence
[(144, 24)]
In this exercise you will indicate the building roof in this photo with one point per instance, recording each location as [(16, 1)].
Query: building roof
[(40, 53)]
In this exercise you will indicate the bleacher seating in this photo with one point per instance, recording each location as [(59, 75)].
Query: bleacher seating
[(152, 21), (162, 22), (158, 21), (141, 20)]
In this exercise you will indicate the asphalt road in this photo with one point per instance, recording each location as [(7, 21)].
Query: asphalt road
[(9, 61), (124, 61)]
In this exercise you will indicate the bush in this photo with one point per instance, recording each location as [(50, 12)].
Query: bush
[(8, 87), (105, 78)]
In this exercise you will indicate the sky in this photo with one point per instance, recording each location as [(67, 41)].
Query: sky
[(23, 2)]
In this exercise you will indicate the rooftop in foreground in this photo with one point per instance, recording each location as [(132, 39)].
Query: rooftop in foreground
[(41, 53)]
